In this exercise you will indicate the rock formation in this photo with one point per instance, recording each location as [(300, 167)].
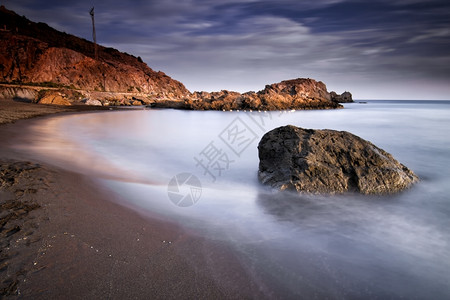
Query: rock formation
[(93, 102), (345, 97), (36, 53), (328, 161), (40, 57), (18, 93), (296, 93), (301, 93), (54, 98)]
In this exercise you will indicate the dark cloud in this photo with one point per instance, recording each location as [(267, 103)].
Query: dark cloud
[(376, 49)]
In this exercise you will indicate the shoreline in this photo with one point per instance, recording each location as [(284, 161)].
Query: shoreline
[(15, 110), (64, 235)]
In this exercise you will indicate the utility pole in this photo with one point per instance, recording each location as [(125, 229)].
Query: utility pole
[(93, 33)]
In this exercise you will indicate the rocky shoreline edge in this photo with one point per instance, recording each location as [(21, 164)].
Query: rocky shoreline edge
[(43, 65), (299, 94)]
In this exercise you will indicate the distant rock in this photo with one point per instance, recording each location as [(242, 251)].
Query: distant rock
[(92, 102), (300, 93), (53, 97), (328, 161), (345, 97)]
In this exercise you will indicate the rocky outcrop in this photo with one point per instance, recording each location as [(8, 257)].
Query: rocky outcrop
[(345, 97), (36, 53), (295, 92), (54, 98), (328, 161), (92, 102), (58, 97), (301, 93), (18, 93)]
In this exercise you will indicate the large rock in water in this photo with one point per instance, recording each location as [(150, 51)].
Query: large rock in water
[(328, 161), (300, 93), (345, 97)]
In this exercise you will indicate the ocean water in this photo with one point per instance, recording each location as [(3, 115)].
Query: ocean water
[(199, 169)]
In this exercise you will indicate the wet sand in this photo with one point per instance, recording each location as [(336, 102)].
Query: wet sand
[(13, 110), (64, 236)]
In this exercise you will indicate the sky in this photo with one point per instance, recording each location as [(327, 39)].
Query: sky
[(377, 49)]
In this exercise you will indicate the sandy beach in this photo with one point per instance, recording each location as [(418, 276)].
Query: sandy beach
[(64, 236), (12, 110)]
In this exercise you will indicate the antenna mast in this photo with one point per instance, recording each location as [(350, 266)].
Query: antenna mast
[(93, 32)]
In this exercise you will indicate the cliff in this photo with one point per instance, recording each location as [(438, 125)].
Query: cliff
[(41, 58), (36, 53), (301, 93)]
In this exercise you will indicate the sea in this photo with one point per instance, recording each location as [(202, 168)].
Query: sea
[(199, 170)]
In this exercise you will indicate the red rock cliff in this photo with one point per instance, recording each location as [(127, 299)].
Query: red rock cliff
[(36, 53)]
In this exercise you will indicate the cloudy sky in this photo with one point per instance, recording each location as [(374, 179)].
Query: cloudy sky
[(377, 49)]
